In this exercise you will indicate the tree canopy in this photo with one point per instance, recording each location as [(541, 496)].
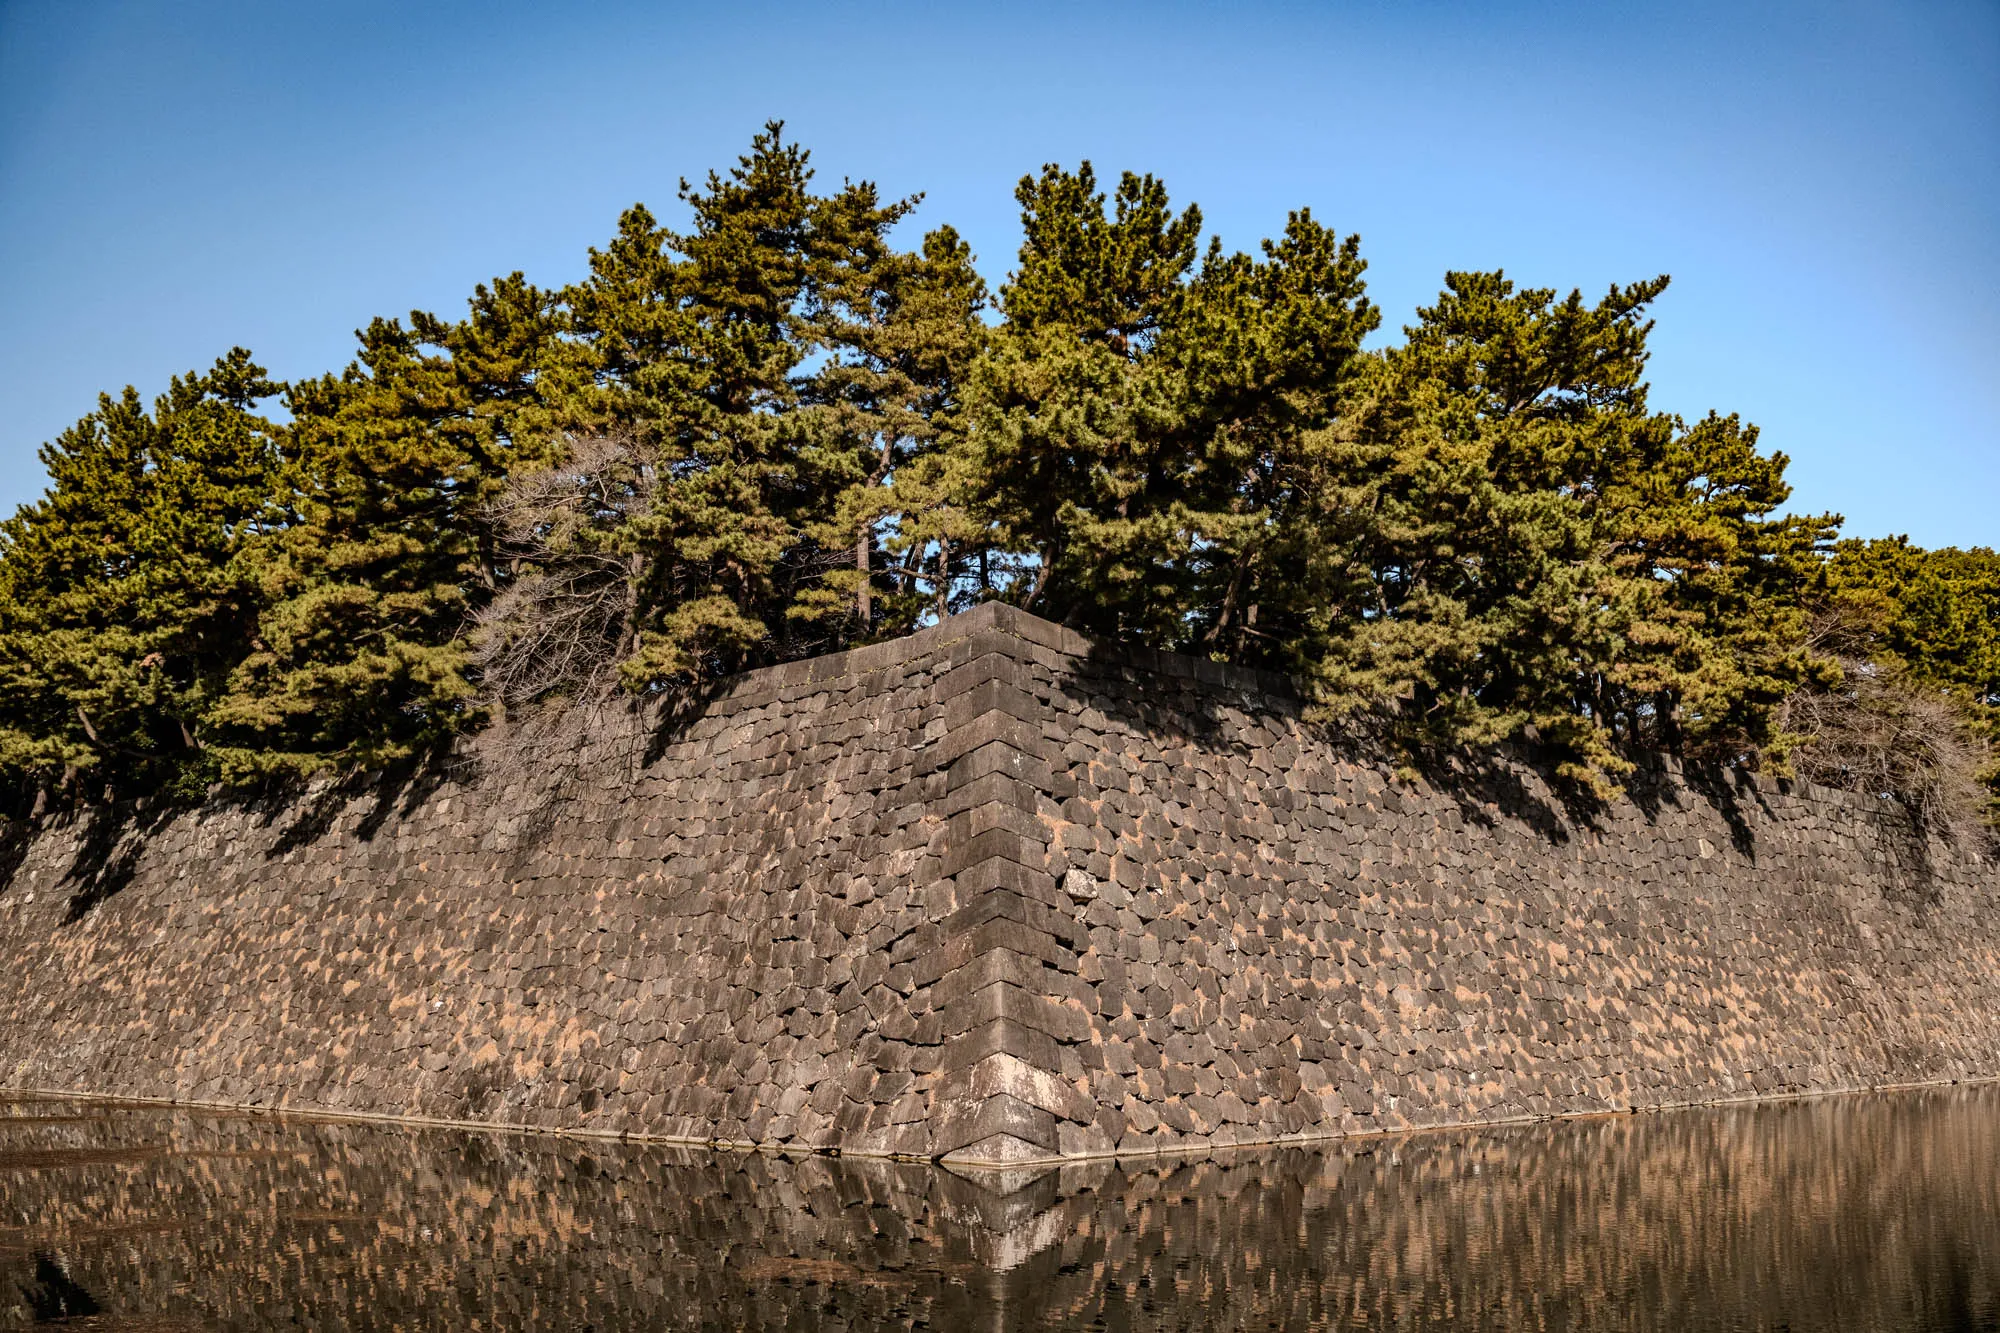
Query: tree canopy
[(799, 424)]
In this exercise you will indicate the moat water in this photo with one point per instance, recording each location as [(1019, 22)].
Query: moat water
[(1877, 1212)]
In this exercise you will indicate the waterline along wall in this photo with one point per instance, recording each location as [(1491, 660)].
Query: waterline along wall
[(991, 894)]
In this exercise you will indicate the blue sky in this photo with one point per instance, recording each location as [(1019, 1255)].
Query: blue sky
[(1822, 180)]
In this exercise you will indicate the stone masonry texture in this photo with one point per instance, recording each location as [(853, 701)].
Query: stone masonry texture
[(992, 894)]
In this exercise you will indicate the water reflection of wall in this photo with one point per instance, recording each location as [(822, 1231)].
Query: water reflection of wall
[(1851, 1213)]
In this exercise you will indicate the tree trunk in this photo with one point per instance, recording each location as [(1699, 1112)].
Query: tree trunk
[(862, 545), (628, 614)]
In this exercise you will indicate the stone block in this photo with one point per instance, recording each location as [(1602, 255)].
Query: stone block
[(1002, 1073), (994, 844), (1025, 1008), (998, 758), (1032, 1046), (964, 1122), (998, 1151), (966, 825), (1005, 933), (991, 697)]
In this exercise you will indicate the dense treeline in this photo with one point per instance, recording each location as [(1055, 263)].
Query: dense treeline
[(778, 432)]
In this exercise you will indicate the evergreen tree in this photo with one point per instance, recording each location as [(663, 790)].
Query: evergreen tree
[(1939, 610), (1137, 424), (898, 333), (1931, 621), (770, 375), (692, 340), (123, 605), (1533, 552), (776, 432), (359, 657)]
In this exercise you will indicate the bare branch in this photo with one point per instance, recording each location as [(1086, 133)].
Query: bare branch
[(1881, 732), (558, 626)]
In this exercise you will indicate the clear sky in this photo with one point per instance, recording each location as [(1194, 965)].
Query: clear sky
[(1821, 179)]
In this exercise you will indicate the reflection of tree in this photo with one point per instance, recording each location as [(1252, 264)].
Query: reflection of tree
[(53, 1295), (1842, 1213)]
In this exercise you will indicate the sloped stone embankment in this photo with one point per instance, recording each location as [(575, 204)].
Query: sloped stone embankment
[(991, 893)]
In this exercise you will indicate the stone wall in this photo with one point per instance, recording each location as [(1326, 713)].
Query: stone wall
[(991, 894)]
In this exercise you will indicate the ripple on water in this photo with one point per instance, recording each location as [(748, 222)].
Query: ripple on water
[(1852, 1213)]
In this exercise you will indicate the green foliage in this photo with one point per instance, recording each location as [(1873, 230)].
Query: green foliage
[(1526, 550), (780, 366), (1140, 428), (1932, 617), (358, 657), (778, 431), (747, 411), (898, 333), (123, 602), (1940, 609), (693, 340)]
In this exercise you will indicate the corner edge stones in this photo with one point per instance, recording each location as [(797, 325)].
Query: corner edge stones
[(1010, 941)]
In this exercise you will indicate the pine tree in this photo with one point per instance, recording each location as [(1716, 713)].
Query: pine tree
[(1539, 555), (898, 333), (774, 372), (359, 657), (776, 432), (1928, 621), (123, 605), (1941, 608), (1135, 428), (693, 339)]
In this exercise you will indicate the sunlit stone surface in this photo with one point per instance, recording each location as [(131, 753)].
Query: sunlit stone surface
[(991, 893)]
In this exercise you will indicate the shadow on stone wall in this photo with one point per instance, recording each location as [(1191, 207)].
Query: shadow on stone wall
[(671, 714), (1514, 782), (395, 792), (1518, 782), (109, 848), (1908, 856), (16, 837)]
